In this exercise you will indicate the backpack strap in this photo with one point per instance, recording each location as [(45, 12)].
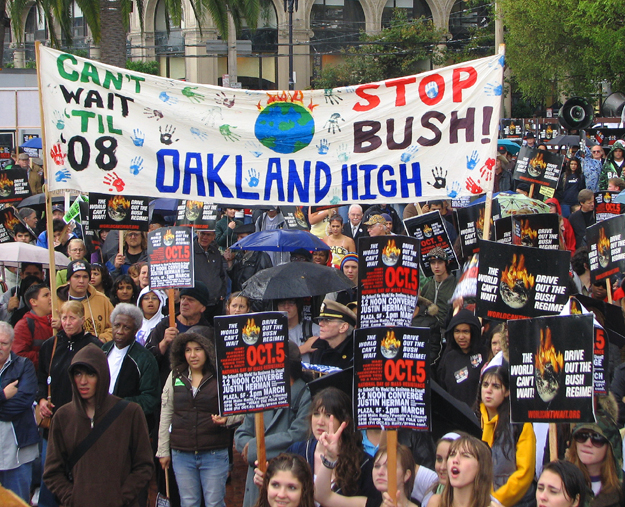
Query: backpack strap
[(31, 326), (307, 331)]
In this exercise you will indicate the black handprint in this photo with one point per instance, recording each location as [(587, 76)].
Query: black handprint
[(167, 134), (440, 179)]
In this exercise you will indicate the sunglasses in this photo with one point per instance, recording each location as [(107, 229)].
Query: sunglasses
[(596, 439)]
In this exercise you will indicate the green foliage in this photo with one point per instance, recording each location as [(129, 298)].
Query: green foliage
[(564, 46), (398, 50), (150, 67)]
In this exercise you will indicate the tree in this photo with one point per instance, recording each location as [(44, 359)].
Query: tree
[(565, 47), (108, 20), (396, 51)]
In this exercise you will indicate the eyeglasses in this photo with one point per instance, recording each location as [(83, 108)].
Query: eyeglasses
[(595, 439), (596, 151)]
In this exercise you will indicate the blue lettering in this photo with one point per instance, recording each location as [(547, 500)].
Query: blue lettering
[(322, 191), (160, 170), (193, 166), (387, 188), (212, 176), (415, 180), (239, 182), (294, 182), (274, 173), (368, 168), (350, 181)]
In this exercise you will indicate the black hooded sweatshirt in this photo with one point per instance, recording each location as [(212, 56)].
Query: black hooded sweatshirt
[(459, 372)]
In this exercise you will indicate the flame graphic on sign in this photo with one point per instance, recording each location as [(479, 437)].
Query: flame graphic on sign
[(538, 163), (527, 231), (11, 221), (391, 250), (251, 328), (296, 97), (169, 236), (603, 245), (119, 202), (390, 341), (5, 183), (517, 271), (547, 355)]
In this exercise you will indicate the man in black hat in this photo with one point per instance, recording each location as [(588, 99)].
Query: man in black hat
[(530, 139), (193, 302), (242, 265), (335, 346)]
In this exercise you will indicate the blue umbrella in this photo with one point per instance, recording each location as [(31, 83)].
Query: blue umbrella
[(620, 198), (35, 142), (510, 146), (280, 240)]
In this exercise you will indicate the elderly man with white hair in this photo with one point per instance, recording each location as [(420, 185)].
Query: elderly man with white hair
[(19, 437), (354, 228)]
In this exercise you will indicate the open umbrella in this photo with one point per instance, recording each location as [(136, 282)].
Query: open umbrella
[(13, 254), (511, 203), (295, 280), (35, 142), (280, 240), (450, 414), (510, 146), (39, 200)]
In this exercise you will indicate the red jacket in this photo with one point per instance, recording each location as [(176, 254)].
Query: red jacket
[(569, 233), (29, 336)]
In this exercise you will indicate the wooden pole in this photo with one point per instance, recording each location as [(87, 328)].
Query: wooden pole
[(391, 463), (608, 286), (167, 482), (120, 242), (553, 441), (50, 232), (488, 213), (531, 194), (260, 441), (172, 307)]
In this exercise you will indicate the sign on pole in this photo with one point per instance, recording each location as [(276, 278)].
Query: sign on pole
[(170, 257), (129, 213)]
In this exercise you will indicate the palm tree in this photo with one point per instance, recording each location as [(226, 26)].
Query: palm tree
[(108, 20)]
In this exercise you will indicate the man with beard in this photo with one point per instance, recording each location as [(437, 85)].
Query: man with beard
[(135, 250)]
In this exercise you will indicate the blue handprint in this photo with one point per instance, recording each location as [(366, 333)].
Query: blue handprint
[(409, 154), (493, 90), (431, 90), (199, 134), (343, 155), (136, 165), (62, 175), (253, 148), (473, 160), (453, 191), (323, 147), (138, 137), (59, 121), (252, 177), (167, 99)]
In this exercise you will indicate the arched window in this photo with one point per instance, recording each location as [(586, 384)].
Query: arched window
[(415, 9)]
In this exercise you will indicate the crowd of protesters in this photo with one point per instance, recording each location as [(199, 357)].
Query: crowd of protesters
[(110, 364)]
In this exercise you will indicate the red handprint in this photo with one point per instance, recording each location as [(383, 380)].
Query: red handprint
[(57, 154), (486, 173), (113, 180), (490, 163), (473, 187)]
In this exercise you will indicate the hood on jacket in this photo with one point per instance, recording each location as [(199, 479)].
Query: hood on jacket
[(93, 358), (177, 359), (464, 317), (159, 294), (617, 145), (606, 426), (556, 203)]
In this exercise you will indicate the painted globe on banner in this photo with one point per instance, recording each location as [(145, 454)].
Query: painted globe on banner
[(285, 127)]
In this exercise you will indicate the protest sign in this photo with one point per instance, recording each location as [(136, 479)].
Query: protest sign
[(9, 218), (511, 127), (14, 185), (392, 378), (252, 363), (433, 135), (200, 215), (538, 231), (605, 207), (128, 213), (294, 217), (170, 257), (467, 285), (538, 166), (607, 247), (551, 369), (470, 222), (519, 282), (431, 231), (503, 230), (601, 349), (388, 275)]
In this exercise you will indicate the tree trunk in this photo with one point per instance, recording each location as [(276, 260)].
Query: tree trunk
[(113, 33)]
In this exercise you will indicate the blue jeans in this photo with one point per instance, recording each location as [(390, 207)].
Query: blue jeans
[(203, 472), (18, 480), (46, 498)]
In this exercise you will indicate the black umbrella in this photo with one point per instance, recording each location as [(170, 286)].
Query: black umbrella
[(450, 414), (38, 200), (295, 280)]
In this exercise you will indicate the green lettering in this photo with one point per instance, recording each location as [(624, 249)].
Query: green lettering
[(89, 71), (117, 81), (112, 130), (137, 81), (84, 119), (100, 124), (70, 76)]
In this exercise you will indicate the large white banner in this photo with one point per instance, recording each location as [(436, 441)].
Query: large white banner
[(433, 135)]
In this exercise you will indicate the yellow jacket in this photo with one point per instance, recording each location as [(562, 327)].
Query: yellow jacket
[(519, 481)]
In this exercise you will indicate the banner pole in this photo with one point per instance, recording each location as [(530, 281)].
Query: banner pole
[(531, 194), (553, 441), (260, 441), (172, 308), (50, 232), (391, 463), (608, 286), (488, 212), (120, 243)]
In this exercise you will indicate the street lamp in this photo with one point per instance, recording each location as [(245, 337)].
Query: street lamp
[(290, 6)]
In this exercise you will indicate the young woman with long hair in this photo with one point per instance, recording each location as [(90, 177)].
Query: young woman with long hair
[(287, 483), (470, 472), (561, 484), (124, 290), (513, 445)]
